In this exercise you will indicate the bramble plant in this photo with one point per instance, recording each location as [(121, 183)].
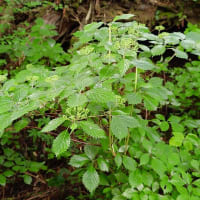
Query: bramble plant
[(112, 96)]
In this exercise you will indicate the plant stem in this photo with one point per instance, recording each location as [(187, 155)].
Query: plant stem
[(110, 40), (136, 78), (128, 137), (126, 142), (110, 135)]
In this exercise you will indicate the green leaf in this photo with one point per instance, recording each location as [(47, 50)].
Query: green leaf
[(101, 95), (92, 129), (173, 159), (91, 151), (158, 50), (8, 173), (121, 123), (103, 165), (123, 17), (5, 104), (147, 178), (150, 103), (118, 160), (135, 178), (21, 124), (2, 180), (134, 98), (177, 139), (180, 54), (61, 143), (78, 160), (143, 64), (164, 126), (91, 179), (129, 163), (76, 100), (188, 44), (144, 159), (53, 124), (158, 166), (27, 179), (195, 164)]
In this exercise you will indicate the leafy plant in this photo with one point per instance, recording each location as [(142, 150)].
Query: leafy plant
[(111, 98)]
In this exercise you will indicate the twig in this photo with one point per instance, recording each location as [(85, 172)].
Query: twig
[(36, 177), (82, 142)]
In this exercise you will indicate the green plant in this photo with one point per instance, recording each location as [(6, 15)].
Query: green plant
[(111, 98)]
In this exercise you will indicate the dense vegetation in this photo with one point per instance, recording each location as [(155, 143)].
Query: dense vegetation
[(118, 113)]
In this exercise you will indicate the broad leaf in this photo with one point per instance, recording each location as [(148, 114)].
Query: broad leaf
[(2, 180), (91, 151), (53, 124), (121, 123), (61, 143), (134, 98), (118, 160), (158, 166), (92, 129), (158, 50), (135, 178), (91, 179), (123, 17), (129, 163), (143, 64), (180, 54), (27, 179), (144, 159), (103, 165), (101, 95), (76, 100), (78, 160), (177, 139)]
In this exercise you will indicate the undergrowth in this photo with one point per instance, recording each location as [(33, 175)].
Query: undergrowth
[(125, 120)]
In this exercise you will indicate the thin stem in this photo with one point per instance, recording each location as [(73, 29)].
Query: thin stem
[(110, 40), (110, 134), (128, 137), (136, 78), (126, 142)]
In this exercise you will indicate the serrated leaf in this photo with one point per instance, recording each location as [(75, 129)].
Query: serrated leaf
[(78, 160), (129, 163), (92, 129), (61, 143), (91, 179), (103, 165), (143, 64), (27, 179), (123, 17), (121, 123), (91, 151), (134, 98), (5, 104), (158, 50), (53, 124), (150, 103), (101, 95), (77, 100)]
